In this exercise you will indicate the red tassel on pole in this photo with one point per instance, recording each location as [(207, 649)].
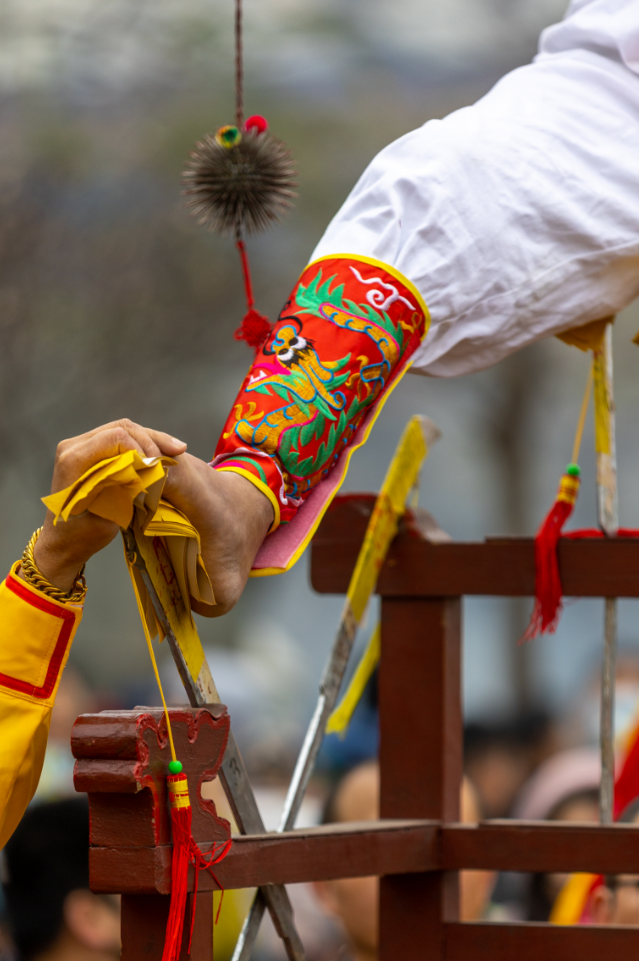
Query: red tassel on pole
[(255, 327), (180, 807), (185, 852), (548, 589)]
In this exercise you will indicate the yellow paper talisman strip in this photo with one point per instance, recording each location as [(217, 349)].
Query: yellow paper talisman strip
[(341, 717), (401, 477), (602, 404)]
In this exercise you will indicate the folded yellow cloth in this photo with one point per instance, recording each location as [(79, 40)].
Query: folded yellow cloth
[(183, 546), (127, 489), (111, 487)]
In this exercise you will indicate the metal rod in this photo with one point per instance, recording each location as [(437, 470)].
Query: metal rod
[(233, 775), (328, 692), (607, 727), (396, 489), (608, 517)]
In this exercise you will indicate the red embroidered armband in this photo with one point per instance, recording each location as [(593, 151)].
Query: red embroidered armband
[(341, 343)]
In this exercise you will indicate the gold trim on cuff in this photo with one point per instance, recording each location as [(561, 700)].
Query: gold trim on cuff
[(261, 486)]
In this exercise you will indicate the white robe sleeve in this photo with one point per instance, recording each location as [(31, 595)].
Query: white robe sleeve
[(516, 218)]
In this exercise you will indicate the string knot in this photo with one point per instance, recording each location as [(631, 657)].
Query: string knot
[(254, 329)]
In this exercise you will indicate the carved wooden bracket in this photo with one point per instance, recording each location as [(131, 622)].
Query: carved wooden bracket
[(122, 763)]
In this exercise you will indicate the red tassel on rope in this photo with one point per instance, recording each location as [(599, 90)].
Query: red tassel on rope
[(255, 327), (548, 589), (185, 852)]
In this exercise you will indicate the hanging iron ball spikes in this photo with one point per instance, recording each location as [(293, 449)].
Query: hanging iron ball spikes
[(239, 181)]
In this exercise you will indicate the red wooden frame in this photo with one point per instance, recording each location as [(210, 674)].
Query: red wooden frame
[(418, 846)]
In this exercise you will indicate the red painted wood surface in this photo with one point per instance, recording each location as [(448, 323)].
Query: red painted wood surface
[(606, 567), (419, 847), (542, 847), (122, 764), (144, 923), (383, 848), (539, 942), (317, 854), (420, 762), (122, 761)]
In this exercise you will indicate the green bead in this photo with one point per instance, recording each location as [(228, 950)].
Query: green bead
[(228, 136), (574, 470), (175, 767)]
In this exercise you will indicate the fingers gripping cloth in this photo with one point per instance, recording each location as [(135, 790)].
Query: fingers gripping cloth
[(127, 490), (113, 488), (342, 342)]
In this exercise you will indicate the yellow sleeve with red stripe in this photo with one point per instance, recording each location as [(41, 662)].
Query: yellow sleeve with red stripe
[(35, 638)]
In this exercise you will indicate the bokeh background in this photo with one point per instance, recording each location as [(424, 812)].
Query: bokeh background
[(114, 303)]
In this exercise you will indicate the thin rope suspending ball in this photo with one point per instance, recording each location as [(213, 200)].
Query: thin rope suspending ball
[(239, 182)]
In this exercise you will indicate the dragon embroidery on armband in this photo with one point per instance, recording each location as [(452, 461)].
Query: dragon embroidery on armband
[(326, 363)]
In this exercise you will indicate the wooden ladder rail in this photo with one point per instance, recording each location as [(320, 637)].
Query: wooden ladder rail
[(421, 588)]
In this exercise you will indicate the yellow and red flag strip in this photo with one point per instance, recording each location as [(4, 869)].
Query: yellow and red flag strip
[(572, 903)]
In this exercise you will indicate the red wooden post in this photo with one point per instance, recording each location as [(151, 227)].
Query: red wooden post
[(122, 762), (144, 919), (421, 762), (419, 846)]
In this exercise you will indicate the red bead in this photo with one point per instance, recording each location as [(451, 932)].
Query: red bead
[(257, 123)]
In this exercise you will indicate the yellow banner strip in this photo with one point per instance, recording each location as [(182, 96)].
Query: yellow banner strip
[(602, 404), (401, 477), (341, 717)]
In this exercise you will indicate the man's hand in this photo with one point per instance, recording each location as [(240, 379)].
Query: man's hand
[(232, 518), (61, 551)]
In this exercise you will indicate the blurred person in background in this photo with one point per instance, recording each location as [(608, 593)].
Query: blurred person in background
[(51, 913), (355, 901), (616, 901), (581, 725), (500, 756), (564, 788)]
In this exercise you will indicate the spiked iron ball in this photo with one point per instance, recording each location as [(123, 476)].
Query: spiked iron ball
[(241, 188)]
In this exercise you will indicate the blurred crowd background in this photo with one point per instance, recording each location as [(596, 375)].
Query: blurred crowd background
[(114, 303)]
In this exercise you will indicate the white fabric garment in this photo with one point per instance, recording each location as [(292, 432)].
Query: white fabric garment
[(516, 218)]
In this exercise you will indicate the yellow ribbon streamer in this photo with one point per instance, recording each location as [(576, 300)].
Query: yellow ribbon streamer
[(570, 902), (341, 717), (602, 405), (154, 662), (401, 477)]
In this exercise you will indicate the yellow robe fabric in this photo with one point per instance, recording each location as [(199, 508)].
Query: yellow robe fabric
[(36, 633)]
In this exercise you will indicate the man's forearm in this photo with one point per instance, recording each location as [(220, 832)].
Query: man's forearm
[(340, 345)]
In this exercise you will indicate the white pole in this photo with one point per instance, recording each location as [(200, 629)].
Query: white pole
[(608, 517)]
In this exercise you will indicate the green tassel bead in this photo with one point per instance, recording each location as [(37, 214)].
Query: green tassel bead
[(228, 136), (175, 767), (574, 470)]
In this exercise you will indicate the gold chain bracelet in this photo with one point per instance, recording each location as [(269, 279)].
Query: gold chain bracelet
[(33, 576)]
